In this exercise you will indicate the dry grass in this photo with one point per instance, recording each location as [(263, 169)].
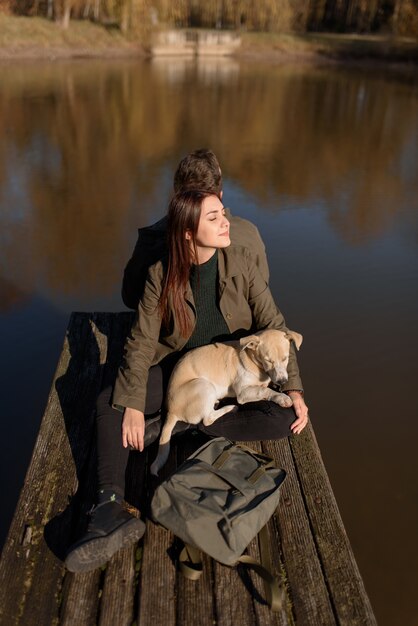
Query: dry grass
[(37, 37), (18, 33)]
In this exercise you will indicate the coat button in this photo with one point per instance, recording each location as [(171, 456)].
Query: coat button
[(229, 316)]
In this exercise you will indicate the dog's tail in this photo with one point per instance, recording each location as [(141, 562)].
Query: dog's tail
[(164, 445)]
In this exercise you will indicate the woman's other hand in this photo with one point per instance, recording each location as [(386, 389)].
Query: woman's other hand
[(133, 428), (301, 411)]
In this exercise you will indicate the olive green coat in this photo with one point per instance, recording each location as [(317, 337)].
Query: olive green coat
[(245, 302), (152, 246)]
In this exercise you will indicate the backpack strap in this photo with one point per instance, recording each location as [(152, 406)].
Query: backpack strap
[(191, 566), (274, 593), (190, 562)]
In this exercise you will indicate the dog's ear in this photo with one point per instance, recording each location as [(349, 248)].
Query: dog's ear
[(249, 343), (295, 337)]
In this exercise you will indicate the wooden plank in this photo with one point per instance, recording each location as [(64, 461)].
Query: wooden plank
[(117, 600), (233, 603), (75, 597), (158, 579), (80, 605), (195, 603), (346, 588), (310, 600), (32, 595), (254, 586), (264, 615), (158, 589)]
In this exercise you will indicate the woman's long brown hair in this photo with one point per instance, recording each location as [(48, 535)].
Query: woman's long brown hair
[(183, 216)]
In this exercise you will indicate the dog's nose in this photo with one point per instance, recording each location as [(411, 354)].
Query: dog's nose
[(278, 377), (282, 379)]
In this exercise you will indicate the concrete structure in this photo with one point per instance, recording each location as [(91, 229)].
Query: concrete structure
[(195, 42)]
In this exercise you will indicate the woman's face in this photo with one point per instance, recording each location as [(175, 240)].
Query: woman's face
[(213, 229)]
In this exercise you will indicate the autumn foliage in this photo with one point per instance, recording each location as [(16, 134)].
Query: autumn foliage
[(361, 16)]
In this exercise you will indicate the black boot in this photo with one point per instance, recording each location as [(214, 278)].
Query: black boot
[(111, 527)]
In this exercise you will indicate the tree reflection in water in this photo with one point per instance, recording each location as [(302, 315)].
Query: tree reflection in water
[(89, 147)]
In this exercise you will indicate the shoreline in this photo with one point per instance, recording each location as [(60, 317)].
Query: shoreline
[(38, 53), (32, 39), (61, 53)]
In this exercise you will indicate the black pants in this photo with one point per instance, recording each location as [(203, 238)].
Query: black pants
[(252, 421)]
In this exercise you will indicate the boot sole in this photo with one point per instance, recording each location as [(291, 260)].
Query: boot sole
[(97, 552)]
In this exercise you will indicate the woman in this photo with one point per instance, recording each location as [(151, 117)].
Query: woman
[(206, 290)]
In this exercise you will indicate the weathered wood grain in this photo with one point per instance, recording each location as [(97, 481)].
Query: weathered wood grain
[(80, 606), (340, 571), (309, 548), (117, 599), (33, 593), (310, 600), (233, 603), (157, 598)]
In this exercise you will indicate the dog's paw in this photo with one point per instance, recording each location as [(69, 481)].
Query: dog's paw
[(284, 400)]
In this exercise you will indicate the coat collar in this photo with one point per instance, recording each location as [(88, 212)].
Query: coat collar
[(227, 264)]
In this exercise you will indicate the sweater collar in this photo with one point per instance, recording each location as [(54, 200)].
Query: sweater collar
[(227, 268), (205, 268)]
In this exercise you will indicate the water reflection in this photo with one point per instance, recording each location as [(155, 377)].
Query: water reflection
[(86, 147), (324, 160)]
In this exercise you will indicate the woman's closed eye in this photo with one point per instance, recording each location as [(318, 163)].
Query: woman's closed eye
[(217, 217)]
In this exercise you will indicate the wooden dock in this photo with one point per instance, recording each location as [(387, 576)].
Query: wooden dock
[(140, 585)]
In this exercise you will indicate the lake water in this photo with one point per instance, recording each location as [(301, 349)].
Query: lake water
[(323, 160)]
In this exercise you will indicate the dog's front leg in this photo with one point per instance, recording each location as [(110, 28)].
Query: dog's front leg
[(254, 393)]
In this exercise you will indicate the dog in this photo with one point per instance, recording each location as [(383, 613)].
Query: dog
[(242, 369)]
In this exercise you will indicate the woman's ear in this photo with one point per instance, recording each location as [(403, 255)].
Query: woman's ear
[(188, 235)]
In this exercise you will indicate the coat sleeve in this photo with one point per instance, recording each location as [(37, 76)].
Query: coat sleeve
[(267, 315), (140, 347), (133, 283), (150, 247)]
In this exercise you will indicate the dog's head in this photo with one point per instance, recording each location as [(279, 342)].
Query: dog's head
[(270, 350)]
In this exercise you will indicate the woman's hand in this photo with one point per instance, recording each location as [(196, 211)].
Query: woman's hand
[(133, 428), (301, 411)]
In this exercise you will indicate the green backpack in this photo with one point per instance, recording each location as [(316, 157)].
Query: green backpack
[(217, 501)]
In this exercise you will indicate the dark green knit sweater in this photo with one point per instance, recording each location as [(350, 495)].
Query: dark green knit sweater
[(210, 324)]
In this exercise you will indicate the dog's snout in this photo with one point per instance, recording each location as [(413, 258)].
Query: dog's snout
[(278, 377)]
